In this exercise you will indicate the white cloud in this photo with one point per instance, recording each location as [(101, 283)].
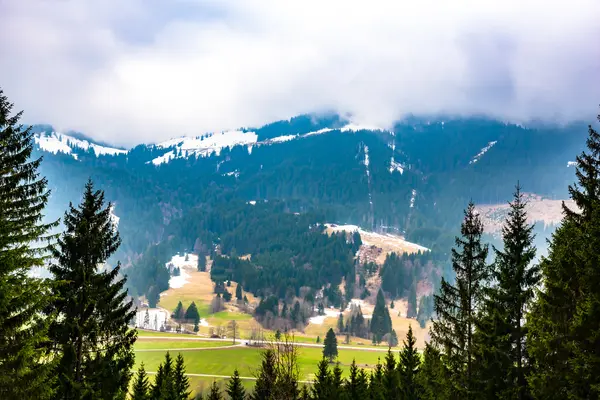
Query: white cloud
[(138, 71)]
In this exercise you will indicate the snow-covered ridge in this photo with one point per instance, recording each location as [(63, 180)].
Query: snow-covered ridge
[(206, 145), (482, 152), (56, 142)]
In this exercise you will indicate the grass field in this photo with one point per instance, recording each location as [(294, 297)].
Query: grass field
[(145, 344)]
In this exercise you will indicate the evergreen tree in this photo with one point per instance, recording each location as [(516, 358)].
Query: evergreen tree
[(179, 312), (376, 388), (235, 389), (25, 370), (503, 357), (201, 262), (381, 323), (215, 392), (357, 387), (411, 311), (564, 322), (432, 378), (393, 341), (304, 393), (164, 382), (238, 292), (330, 350), (391, 382), (181, 382), (95, 344), (322, 385), (267, 376), (340, 323), (409, 367), (337, 383), (140, 385), (457, 305), (192, 314)]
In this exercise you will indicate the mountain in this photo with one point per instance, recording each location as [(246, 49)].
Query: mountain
[(414, 178)]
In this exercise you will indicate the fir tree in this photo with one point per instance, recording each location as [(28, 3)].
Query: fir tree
[(140, 385), (164, 382), (215, 392), (25, 372), (266, 378), (337, 383), (201, 262), (376, 388), (409, 367), (502, 357), (564, 322), (391, 383), (322, 385), (330, 350), (238, 292), (179, 312), (192, 314), (457, 305), (235, 389), (357, 386), (432, 378), (381, 323), (181, 382), (94, 342)]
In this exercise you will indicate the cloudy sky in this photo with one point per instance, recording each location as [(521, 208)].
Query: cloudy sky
[(128, 71)]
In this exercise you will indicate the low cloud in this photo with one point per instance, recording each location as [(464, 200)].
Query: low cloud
[(133, 71)]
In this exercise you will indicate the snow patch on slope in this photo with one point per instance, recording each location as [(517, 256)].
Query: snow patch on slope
[(482, 152), (396, 166), (571, 164), (56, 142)]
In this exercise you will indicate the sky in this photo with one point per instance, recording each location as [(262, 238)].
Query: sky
[(144, 71)]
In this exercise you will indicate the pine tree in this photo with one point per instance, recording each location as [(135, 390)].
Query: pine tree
[(564, 322), (391, 382), (238, 292), (181, 382), (330, 350), (322, 385), (409, 367), (192, 314), (381, 323), (457, 305), (179, 312), (140, 385), (356, 387), (94, 342), (215, 392), (235, 389), (25, 372), (502, 355), (266, 378)]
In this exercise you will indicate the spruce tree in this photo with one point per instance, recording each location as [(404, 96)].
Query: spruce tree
[(411, 311), (457, 304), (357, 387), (564, 322), (340, 323), (238, 292), (192, 314), (376, 388), (381, 323), (330, 350), (322, 385), (94, 343), (409, 367), (179, 312), (181, 382), (502, 354), (215, 392), (266, 377), (140, 385), (25, 367), (391, 382), (432, 378), (235, 389)]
